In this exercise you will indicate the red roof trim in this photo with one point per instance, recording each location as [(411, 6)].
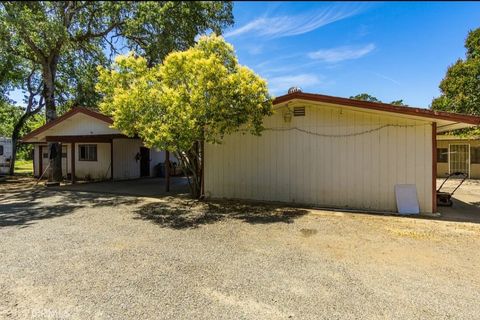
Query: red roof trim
[(65, 116), (456, 117)]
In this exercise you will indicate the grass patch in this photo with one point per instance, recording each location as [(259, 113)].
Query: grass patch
[(24, 167)]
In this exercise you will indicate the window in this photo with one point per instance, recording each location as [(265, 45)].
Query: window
[(87, 152), (442, 155), (1, 150), (474, 154), (45, 155)]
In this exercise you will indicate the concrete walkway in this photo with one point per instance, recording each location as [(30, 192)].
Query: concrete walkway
[(146, 187)]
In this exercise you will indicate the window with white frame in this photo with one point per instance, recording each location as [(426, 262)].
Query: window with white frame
[(87, 152)]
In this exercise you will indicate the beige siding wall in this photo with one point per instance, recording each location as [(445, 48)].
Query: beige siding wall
[(355, 172), (97, 170), (443, 168), (81, 124), (125, 165)]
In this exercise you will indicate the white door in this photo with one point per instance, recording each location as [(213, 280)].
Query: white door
[(459, 158)]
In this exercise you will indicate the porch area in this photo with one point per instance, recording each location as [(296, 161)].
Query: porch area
[(144, 187)]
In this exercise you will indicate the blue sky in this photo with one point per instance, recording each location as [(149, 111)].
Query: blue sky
[(390, 50)]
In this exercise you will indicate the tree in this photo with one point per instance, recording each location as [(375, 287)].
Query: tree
[(398, 103), (460, 89), (45, 32), (370, 98), (195, 96), (365, 97), (34, 104)]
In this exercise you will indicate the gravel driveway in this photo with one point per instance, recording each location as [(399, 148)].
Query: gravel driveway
[(73, 255)]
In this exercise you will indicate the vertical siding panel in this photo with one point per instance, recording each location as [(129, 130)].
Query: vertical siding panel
[(367, 174), (245, 158), (392, 174), (399, 155), (211, 163), (335, 156), (377, 168), (316, 173), (252, 183), (275, 168), (326, 157), (234, 177), (351, 159), (411, 153), (357, 171), (343, 146), (428, 169), (419, 159)]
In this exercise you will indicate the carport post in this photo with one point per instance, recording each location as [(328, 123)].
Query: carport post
[(167, 171), (73, 162), (434, 167)]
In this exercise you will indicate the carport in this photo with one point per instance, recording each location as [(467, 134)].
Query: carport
[(146, 187)]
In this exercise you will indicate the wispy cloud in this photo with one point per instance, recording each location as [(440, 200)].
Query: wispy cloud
[(386, 78), (341, 53), (290, 25), (282, 83)]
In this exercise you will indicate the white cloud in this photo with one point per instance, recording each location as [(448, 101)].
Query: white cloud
[(341, 53), (283, 26), (281, 84)]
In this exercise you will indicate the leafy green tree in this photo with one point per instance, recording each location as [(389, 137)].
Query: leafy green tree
[(49, 33), (370, 98), (195, 96), (9, 115), (398, 102), (365, 97), (34, 104), (460, 89)]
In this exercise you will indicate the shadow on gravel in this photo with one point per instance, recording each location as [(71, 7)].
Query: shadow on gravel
[(23, 208), (177, 213)]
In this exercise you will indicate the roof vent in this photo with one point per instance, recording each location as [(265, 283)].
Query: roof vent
[(299, 111), (294, 89)]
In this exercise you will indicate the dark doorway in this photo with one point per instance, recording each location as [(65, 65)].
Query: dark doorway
[(144, 162)]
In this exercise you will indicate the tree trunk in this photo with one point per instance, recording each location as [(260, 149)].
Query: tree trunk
[(191, 167), (54, 148), (15, 135), (13, 157)]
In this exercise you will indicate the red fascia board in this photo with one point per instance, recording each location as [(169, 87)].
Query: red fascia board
[(418, 112)]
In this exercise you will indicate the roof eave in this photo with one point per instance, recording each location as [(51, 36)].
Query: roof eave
[(417, 112)]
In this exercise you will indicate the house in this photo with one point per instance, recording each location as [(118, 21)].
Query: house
[(5, 154), (333, 152), (458, 154), (92, 149)]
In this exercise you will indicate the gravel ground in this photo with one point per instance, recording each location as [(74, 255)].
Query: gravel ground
[(66, 255)]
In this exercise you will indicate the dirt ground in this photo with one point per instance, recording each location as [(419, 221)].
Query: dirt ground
[(79, 255)]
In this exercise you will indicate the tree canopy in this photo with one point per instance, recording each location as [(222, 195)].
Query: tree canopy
[(201, 94), (65, 40), (368, 97), (460, 89)]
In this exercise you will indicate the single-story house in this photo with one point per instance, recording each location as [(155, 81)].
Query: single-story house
[(333, 152), (458, 154), (92, 149)]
